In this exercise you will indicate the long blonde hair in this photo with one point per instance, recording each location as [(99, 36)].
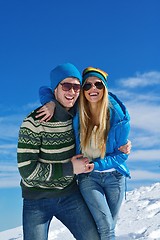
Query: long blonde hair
[(87, 123)]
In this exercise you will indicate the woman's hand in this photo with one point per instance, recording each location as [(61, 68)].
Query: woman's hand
[(126, 148), (46, 111)]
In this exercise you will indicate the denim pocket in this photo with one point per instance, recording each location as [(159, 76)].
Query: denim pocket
[(81, 177), (117, 175), (32, 203)]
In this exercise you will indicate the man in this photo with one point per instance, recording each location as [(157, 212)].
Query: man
[(48, 166)]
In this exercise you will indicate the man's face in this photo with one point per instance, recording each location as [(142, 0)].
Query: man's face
[(67, 94)]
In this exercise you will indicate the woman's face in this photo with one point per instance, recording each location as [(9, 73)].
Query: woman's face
[(93, 89)]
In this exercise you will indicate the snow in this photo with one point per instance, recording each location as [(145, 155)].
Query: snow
[(139, 218)]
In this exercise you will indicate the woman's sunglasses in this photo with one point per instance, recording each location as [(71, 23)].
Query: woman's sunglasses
[(68, 86), (98, 85)]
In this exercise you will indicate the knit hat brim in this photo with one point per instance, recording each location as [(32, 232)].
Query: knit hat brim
[(63, 71), (94, 72)]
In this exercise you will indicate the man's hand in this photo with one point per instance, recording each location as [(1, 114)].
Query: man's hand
[(126, 148), (47, 111), (81, 164)]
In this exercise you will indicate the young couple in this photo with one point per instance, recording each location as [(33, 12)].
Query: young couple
[(84, 140)]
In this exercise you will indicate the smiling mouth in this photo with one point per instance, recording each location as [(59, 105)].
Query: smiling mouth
[(93, 94), (69, 98)]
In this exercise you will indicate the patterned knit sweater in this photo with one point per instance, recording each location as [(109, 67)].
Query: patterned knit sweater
[(44, 153)]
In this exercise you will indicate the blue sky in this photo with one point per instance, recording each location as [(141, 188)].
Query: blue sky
[(121, 37)]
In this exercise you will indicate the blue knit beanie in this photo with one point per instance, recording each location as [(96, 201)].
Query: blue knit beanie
[(63, 71), (94, 72)]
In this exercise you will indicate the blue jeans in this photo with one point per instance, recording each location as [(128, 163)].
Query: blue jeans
[(71, 211), (103, 193)]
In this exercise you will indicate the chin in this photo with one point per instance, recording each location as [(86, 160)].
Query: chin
[(69, 105)]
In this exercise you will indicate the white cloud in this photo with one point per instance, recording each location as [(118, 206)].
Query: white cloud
[(143, 108), (7, 150), (144, 175), (145, 155), (9, 175), (145, 117), (31, 106), (8, 146), (18, 108), (5, 169), (12, 119), (143, 140), (142, 80), (10, 181)]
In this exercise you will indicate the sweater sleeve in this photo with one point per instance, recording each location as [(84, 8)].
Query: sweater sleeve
[(46, 95), (32, 169)]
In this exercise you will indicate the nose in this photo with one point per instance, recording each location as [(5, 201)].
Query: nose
[(93, 86), (72, 90)]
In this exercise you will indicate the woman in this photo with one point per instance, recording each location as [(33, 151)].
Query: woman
[(101, 128), (104, 127)]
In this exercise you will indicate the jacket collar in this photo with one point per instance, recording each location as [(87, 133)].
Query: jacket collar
[(61, 114)]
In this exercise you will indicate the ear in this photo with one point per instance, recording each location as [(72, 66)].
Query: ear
[(55, 92)]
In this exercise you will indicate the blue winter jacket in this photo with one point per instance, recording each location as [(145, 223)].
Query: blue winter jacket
[(117, 136)]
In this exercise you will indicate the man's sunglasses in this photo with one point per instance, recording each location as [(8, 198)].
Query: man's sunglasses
[(98, 85), (68, 86)]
